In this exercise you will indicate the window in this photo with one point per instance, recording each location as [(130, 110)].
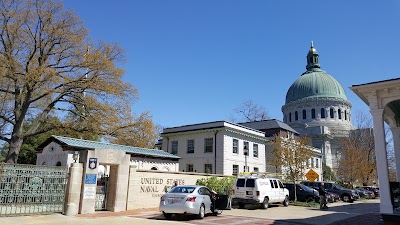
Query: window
[(316, 163), (235, 146), (153, 168), (307, 163), (339, 114), (322, 113), (235, 170), (331, 112), (304, 114), (189, 167), (345, 115), (208, 144), (58, 163), (290, 117), (276, 184), (255, 150), (208, 168), (174, 147), (296, 116), (250, 183), (255, 169), (190, 146), (246, 168), (246, 148), (313, 113), (240, 182), (312, 162)]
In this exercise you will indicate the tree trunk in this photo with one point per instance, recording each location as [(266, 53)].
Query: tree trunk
[(15, 146)]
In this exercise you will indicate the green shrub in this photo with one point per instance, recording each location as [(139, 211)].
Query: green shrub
[(220, 185)]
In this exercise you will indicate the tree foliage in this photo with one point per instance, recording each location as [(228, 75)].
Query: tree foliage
[(291, 155), (248, 111), (327, 173), (219, 185), (49, 66)]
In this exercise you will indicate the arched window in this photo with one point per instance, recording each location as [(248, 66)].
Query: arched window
[(58, 163), (339, 112), (290, 117), (345, 115), (331, 112), (154, 168), (296, 116), (304, 114), (322, 113), (313, 113)]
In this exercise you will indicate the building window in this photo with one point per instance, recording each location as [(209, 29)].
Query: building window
[(339, 114), (304, 114), (255, 150), (331, 112), (313, 113), (312, 162), (235, 170), (308, 163), (208, 168), (316, 163), (174, 147), (246, 148), (256, 169), (189, 167), (235, 146), (190, 146), (345, 115), (246, 168), (322, 113), (290, 117), (296, 116), (208, 144)]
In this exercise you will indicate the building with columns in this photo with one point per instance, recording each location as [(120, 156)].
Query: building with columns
[(316, 106), (383, 99)]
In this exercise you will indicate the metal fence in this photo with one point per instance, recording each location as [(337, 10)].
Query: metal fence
[(29, 189)]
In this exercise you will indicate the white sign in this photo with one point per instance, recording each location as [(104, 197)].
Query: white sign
[(89, 193)]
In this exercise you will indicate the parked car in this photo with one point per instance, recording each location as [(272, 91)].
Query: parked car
[(364, 193), (261, 191), (333, 197), (373, 189), (303, 192), (346, 195), (187, 200)]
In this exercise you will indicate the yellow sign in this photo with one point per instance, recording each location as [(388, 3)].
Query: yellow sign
[(312, 175)]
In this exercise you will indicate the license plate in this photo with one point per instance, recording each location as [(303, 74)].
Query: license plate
[(174, 200)]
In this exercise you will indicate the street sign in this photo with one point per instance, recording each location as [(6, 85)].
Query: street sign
[(311, 175)]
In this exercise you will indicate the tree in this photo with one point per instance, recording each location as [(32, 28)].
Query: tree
[(292, 153), (48, 69), (327, 173), (249, 112), (357, 157)]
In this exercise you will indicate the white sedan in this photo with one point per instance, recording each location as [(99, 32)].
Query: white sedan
[(190, 199)]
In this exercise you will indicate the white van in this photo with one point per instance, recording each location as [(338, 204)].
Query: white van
[(259, 191)]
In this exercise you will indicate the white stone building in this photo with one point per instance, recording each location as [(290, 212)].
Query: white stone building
[(59, 151), (316, 106), (216, 147)]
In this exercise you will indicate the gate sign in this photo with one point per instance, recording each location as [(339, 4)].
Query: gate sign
[(311, 175), (92, 163)]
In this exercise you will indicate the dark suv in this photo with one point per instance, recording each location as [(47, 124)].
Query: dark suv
[(303, 192), (347, 195)]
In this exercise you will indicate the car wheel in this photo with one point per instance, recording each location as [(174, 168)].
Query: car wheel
[(265, 204), (241, 205), (286, 201), (167, 215), (346, 198), (202, 212)]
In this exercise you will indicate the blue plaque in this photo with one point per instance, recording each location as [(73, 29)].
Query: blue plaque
[(91, 179), (92, 163)]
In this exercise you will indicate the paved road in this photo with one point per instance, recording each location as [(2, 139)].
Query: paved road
[(277, 215)]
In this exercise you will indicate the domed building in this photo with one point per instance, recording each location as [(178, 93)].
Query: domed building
[(316, 106)]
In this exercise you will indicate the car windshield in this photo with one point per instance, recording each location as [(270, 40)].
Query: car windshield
[(182, 190), (338, 186), (306, 187)]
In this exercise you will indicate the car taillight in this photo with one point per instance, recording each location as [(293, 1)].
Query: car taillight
[(257, 193), (161, 199), (191, 199)]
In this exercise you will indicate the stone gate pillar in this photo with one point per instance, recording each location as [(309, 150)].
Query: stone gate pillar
[(73, 194)]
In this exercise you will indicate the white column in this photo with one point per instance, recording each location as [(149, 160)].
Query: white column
[(381, 158), (74, 189), (396, 149)]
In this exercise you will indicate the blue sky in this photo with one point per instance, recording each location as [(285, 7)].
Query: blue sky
[(195, 61)]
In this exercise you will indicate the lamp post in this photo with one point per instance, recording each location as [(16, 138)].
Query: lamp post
[(245, 152)]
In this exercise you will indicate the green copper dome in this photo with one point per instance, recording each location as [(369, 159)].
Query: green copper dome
[(314, 82)]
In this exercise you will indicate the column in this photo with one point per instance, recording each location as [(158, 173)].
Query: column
[(74, 189), (396, 149), (121, 187), (381, 158)]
